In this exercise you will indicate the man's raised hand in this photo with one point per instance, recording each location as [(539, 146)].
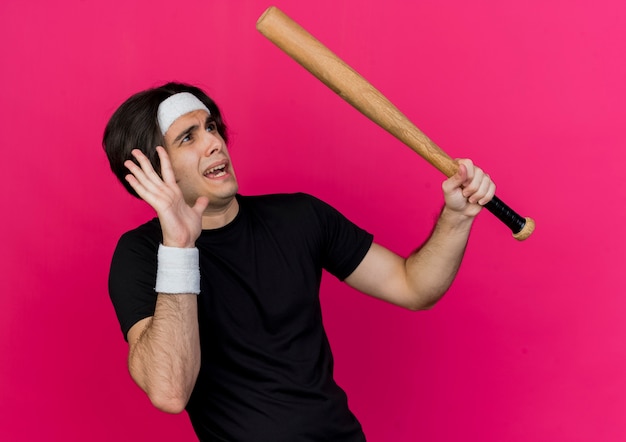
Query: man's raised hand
[(181, 224)]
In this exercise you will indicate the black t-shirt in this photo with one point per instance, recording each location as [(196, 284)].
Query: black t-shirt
[(266, 365)]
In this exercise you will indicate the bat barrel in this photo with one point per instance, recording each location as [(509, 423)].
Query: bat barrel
[(331, 70)]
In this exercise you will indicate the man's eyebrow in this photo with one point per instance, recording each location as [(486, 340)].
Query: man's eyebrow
[(209, 119), (184, 133)]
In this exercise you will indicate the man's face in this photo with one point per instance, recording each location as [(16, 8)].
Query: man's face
[(200, 159)]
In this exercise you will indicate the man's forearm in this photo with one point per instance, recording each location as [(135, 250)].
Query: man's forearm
[(165, 359), (432, 268)]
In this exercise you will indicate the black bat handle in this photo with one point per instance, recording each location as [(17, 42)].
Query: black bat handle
[(520, 226)]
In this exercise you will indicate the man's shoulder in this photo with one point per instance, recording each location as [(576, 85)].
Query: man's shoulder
[(148, 233)]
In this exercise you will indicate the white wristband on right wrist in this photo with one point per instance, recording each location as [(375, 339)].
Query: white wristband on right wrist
[(178, 270)]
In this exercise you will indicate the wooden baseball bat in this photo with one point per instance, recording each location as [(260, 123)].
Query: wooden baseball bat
[(353, 88)]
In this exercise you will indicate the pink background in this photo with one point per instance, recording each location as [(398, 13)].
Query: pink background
[(528, 345)]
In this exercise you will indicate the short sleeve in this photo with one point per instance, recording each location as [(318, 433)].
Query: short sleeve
[(344, 243), (132, 275)]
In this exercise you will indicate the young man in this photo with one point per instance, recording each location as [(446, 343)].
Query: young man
[(218, 297)]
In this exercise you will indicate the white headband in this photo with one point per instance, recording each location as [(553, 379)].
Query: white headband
[(176, 106)]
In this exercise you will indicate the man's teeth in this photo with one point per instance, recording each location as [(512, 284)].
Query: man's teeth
[(217, 171)]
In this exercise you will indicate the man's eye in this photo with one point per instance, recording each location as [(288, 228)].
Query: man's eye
[(186, 138), (212, 126)]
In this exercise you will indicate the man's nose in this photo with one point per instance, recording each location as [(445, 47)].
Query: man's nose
[(212, 144)]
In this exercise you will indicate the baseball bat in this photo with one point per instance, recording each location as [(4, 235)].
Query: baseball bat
[(327, 67)]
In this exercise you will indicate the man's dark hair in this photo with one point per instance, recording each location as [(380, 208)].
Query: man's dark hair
[(134, 125)]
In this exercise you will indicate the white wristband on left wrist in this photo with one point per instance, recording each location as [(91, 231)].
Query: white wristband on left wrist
[(178, 270)]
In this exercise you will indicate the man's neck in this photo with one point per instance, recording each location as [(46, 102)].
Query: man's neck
[(214, 218)]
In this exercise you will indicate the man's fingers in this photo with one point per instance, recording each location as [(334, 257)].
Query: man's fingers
[(481, 190), (146, 165), (469, 183), (144, 188), (472, 184), (455, 181), (136, 176), (491, 191), (167, 173), (478, 187), (130, 178), (148, 184), (145, 173), (142, 180)]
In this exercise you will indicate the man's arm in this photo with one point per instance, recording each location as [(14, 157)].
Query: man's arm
[(419, 281), (164, 353)]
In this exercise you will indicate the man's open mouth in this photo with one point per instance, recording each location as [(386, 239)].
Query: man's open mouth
[(216, 171)]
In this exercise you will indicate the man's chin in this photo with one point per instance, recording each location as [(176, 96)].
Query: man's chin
[(224, 198)]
